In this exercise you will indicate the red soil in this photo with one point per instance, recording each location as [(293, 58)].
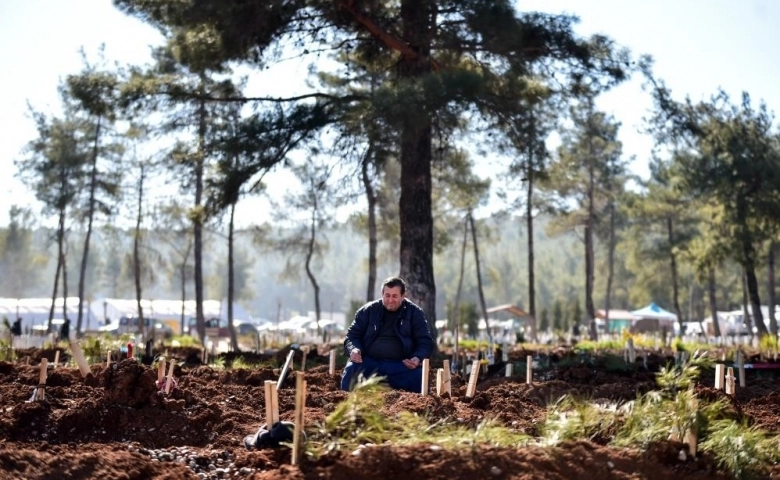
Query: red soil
[(115, 424)]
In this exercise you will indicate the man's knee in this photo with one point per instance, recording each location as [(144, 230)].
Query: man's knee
[(349, 375), (410, 381)]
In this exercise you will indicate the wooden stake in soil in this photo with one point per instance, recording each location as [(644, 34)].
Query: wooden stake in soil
[(56, 359), (439, 381), (332, 362), (447, 378), (81, 361), (529, 369), (42, 378), (305, 351), (426, 376), (169, 380), (508, 370), (300, 407), (108, 358), (730, 381), (472, 386), (631, 351), (692, 439), (271, 404), (720, 370), (741, 365), (160, 370)]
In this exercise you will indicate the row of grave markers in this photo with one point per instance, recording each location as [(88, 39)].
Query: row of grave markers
[(724, 378), (165, 382)]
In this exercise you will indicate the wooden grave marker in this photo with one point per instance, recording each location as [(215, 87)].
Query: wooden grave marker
[(332, 362), (42, 379), (730, 381), (300, 407), (720, 370), (305, 351), (271, 404), (741, 366), (81, 361), (160, 371), (426, 379), (472, 385), (447, 378), (169, 380)]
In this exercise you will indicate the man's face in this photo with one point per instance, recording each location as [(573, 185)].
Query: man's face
[(392, 297)]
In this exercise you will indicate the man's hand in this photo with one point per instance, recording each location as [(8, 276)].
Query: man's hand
[(355, 356), (412, 363)]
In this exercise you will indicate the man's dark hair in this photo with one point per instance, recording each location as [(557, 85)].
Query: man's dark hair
[(393, 282)]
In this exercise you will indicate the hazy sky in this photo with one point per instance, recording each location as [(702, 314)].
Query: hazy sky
[(698, 46)]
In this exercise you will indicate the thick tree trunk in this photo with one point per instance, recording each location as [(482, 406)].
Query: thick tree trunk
[(137, 253), (770, 266), (231, 278), (90, 218), (675, 282), (713, 303), (416, 219), (372, 229)]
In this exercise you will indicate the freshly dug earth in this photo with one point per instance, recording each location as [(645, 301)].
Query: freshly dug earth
[(115, 424)]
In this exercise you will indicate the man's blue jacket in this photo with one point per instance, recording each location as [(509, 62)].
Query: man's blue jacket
[(412, 329)]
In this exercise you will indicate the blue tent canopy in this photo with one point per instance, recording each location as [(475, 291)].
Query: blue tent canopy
[(653, 311)]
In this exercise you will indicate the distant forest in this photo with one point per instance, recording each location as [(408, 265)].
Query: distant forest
[(270, 282)]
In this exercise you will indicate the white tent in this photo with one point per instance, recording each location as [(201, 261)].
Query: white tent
[(35, 311), (652, 317), (114, 308), (654, 312)]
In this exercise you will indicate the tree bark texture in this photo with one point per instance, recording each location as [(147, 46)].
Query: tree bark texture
[(416, 219)]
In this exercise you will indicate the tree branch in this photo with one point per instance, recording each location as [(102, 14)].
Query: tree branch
[(383, 36)]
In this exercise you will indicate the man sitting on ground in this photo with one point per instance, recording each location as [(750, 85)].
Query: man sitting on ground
[(389, 337)]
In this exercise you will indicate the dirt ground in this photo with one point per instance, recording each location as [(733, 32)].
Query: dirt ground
[(115, 424)]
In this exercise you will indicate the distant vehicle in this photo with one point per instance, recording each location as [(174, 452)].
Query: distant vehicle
[(691, 328), (218, 327), (130, 325)]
